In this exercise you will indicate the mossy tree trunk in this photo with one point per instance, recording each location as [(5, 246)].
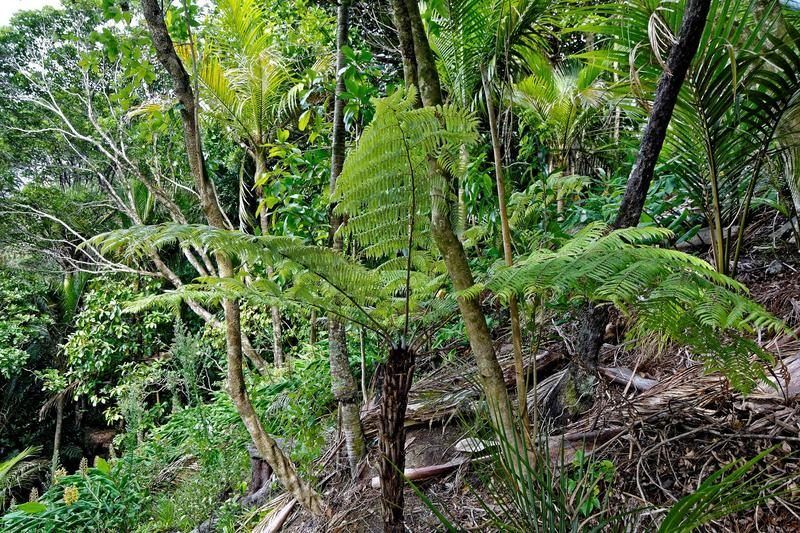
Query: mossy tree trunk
[(419, 69)]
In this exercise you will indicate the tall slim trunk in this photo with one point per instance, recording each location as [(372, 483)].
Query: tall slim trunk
[(312, 322), (57, 436), (263, 219), (345, 391), (508, 255), (417, 53), (343, 383), (285, 470), (461, 224), (680, 58), (398, 373)]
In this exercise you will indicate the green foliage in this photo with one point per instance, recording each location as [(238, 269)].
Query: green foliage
[(18, 472), (732, 121), (566, 106), (100, 499), (500, 36), (732, 488), (586, 474), (24, 321), (386, 178), (667, 293), (105, 338), (531, 492)]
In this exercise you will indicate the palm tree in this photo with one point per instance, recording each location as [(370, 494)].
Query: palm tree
[(729, 122), (565, 104), (18, 471), (246, 84)]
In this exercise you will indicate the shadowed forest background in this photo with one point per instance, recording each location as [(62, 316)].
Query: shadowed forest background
[(438, 265)]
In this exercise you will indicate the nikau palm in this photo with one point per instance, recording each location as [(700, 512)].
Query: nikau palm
[(728, 129), (247, 85)]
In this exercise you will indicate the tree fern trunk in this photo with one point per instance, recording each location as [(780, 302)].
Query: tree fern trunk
[(398, 373), (343, 383), (277, 336)]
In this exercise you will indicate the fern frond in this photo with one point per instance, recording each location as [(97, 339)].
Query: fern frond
[(675, 295), (386, 175)]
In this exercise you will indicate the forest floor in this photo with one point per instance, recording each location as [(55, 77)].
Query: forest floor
[(665, 430)]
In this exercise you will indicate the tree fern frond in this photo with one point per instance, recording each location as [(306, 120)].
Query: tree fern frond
[(678, 296)]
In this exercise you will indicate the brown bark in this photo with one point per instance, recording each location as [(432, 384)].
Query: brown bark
[(425, 472), (594, 321), (412, 37), (57, 436), (343, 383), (398, 373), (667, 91), (267, 447), (508, 255)]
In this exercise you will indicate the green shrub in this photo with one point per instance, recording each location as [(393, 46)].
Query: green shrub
[(102, 498)]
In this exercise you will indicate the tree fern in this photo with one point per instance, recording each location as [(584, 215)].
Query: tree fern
[(385, 180), (676, 296), (375, 298)]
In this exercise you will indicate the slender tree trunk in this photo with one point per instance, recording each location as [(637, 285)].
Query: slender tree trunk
[(416, 52), (667, 91), (461, 224), (680, 58), (398, 373), (57, 436), (312, 322), (277, 335), (284, 469), (275, 311), (267, 447), (363, 354), (508, 255), (343, 383)]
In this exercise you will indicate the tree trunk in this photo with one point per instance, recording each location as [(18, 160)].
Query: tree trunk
[(667, 91), (57, 436), (398, 373), (343, 383), (277, 335), (416, 51), (345, 391), (285, 470), (669, 85), (263, 219), (508, 255)]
